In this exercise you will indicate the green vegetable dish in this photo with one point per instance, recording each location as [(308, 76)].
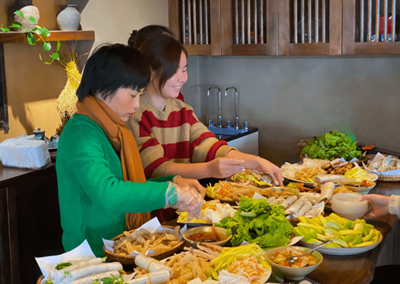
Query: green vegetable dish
[(256, 221), (332, 145)]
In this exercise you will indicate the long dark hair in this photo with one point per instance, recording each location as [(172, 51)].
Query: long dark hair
[(138, 37), (113, 66), (163, 54)]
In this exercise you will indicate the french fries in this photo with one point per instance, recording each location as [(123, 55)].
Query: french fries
[(308, 173), (185, 266), (142, 240)]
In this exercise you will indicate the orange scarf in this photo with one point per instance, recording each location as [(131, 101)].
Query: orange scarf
[(123, 142)]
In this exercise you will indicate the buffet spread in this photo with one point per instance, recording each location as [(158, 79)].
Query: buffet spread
[(248, 227)]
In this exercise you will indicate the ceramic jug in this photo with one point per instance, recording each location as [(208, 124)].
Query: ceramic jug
[(69, 18)]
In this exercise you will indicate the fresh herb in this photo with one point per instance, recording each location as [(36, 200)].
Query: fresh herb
[(35, 35), (63, 265), (49, 282), (256, 221), (103, 259), (110, 280), (332, 145)]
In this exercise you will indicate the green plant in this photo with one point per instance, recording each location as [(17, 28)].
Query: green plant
[(35, 35)]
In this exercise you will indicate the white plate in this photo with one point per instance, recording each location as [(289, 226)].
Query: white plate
[(373, 177), (343, 251)]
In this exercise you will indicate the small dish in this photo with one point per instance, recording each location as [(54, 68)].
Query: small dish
[(294, 273), (206, 234), (348, 205)]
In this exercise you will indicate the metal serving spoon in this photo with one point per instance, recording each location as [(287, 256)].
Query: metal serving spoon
[(293, 259)]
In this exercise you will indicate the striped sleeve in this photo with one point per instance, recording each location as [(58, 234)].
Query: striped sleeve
[(203, 142)]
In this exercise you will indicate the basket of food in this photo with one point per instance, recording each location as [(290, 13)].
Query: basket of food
[(387, 167), (158, 244)]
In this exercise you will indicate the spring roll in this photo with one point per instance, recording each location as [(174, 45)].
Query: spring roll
[(295, 207), (289, 201), (92, 269), (157, 277), (280, 199), (58, 275), (269, 200), (274, 201), (89, 279), (304, 209)]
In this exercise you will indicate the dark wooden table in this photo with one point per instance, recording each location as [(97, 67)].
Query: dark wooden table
[(359, 269)]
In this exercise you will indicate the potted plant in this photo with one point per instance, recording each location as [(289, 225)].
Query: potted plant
[(34, 35)]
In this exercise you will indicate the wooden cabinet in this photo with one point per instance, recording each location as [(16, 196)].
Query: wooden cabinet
[(29, 222), (370, 28), (286, 27), (257, 27)]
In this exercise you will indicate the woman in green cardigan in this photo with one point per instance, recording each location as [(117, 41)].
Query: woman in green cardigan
[(99, 171)]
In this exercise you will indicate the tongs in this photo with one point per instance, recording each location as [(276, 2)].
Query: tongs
[(264, 176)]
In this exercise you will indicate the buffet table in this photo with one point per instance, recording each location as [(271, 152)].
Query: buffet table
[(360, 268)]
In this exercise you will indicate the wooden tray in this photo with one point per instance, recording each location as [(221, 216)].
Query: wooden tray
[(130, 260)]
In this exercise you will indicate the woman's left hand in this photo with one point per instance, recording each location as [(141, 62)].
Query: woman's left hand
[(187, 182)]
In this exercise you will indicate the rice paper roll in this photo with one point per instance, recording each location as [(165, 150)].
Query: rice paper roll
[(304, 209), (89, 279), (295, 207), (280, 199), (58, 275), (393, 165), (92, 269), (385, 163), (157, 277), (151, 264), (273, 201), (289, 201)]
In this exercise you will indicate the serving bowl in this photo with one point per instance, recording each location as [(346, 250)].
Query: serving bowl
[(294, 273), (348, 205), (358, 187), (206, 234)]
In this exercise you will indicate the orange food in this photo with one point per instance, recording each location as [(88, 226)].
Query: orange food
[(248, 267), (281, 258)]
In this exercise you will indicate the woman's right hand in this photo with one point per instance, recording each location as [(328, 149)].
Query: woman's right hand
[(188, 199), (224, 167), (379, 205)]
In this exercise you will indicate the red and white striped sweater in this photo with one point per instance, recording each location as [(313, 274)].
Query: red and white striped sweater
[(172, 135)]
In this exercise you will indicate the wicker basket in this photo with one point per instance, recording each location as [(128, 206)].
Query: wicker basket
[(130, 260), (388, 178)]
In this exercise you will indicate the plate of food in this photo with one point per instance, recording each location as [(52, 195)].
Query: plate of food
[(230, 192), (158, 244), (349, 237), (251, 177), (212, 212)]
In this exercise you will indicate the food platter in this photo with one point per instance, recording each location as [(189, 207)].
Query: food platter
[(373, 177), (343, 251), (130, 260)]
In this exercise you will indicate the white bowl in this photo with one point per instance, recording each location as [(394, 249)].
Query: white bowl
[(295, 273), (206, 230), (358, 188), (348, 205)]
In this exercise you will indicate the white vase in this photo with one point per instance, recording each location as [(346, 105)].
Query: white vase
[(28, 11), (69, 18)]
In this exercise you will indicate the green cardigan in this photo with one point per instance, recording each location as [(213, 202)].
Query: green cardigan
[(92, 194)]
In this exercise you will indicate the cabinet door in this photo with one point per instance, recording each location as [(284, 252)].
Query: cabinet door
[(310, 27), (248, 27), (370, 28), (196, 23)]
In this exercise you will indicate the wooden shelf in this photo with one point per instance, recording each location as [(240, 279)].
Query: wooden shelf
[(19, 37)]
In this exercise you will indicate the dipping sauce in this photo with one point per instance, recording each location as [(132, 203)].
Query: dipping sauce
[(206, 237)]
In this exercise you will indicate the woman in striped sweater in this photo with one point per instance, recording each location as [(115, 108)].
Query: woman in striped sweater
[(170, 137)]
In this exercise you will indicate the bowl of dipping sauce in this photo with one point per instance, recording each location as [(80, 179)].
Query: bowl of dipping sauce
[(206, 234)]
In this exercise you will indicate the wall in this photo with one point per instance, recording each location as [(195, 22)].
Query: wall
[(290, 98), (33, 87)]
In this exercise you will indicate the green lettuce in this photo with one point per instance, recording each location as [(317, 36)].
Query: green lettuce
[(267, 226), (332, 145)]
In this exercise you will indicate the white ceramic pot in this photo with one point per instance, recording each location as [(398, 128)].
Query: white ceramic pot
[(28, 11), (69, 18)]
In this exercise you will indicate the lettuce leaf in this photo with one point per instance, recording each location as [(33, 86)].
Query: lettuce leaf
[(332, 145), (269, 227)]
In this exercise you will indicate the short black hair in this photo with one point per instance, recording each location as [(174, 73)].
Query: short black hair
[(138, 37), (113, 66), (163, 54)]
